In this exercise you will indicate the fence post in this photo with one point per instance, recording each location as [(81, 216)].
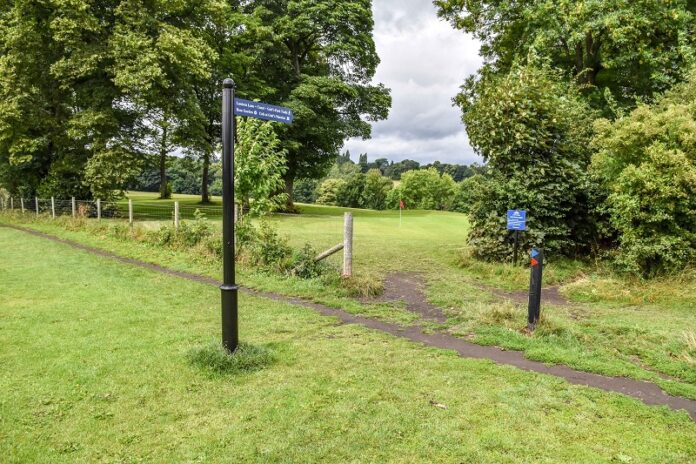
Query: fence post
[(176, 215), (98, 209), (53, 207), (36, 204), (11, 203), (21, 202), (348, 245), (73, 205), (130, 211)]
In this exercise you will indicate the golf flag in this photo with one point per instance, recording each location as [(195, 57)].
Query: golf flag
[(402, 206)]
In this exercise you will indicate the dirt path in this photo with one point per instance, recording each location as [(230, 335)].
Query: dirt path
[(647, 392), (409, 288)]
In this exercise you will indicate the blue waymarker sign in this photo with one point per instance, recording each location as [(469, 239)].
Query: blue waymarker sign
[(534, 253), (263, 111), (516, 219)]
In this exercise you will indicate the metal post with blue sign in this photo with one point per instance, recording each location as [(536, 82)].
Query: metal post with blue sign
[(232, 107), (517, 221)]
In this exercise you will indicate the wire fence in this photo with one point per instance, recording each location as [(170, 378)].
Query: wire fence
[(130, 210)]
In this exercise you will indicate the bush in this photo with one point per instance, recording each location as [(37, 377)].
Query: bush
[(270, 250), (653, 207), (647, 162), (305, 190), (304, 265), (351, 191), (327, 194)]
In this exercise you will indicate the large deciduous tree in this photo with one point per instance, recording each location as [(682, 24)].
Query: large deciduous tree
[(318, 58), (616, 50)]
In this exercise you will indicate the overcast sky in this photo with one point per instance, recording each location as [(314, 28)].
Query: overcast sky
[(424, 61)]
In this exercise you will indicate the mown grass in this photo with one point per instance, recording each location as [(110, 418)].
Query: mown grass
[(618, 326), (97, 368)]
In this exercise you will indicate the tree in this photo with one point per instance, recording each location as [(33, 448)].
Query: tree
[(328, 191), (376, 190), (259, 167), (59, 106), (319, 58), (424, 189), (616, 51)]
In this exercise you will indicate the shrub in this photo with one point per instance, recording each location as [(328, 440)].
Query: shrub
[(304, 265), (270, 250), (327, 194), (351, 191), (647, 162)]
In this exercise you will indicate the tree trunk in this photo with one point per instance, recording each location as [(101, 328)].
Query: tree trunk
[(205, 195), (289, 184)]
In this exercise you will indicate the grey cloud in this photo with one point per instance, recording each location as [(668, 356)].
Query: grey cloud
[(424, 61)]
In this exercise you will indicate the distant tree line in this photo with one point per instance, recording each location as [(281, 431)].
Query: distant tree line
[(372, 184)]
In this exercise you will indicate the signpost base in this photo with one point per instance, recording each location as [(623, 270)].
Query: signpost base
[(534, 307)]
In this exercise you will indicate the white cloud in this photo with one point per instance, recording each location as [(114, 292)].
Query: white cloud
[(424, 61)]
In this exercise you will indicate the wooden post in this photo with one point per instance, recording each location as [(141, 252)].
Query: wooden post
[(176, 215), (21, 202), (36, 203), (130, 211), (99, 209), (74, 208), (11, 203), (348, 245), (53, 207)]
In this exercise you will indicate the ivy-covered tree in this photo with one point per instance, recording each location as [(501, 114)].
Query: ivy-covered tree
[(534, 131)]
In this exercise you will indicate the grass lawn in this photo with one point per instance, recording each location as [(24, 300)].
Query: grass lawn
[(616, 326), (96, 369)]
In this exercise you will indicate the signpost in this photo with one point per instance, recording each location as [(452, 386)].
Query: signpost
[(517, 221), (232, 107), (534, 307)]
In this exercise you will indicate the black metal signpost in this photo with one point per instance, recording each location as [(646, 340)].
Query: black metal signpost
[(534, 308), (229, 288)]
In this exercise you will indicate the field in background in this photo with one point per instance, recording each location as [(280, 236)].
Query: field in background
[(96, 369)]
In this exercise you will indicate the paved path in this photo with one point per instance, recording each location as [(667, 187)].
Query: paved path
[(647, 392)]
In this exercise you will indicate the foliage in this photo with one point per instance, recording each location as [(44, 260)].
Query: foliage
[(647, 161), (534, 132), (305, 190), (376, 190), (351, 192), (269, 250), (328, 191), (617, 51), (424, 189), (304, 265), (259, 167), (318, 58)]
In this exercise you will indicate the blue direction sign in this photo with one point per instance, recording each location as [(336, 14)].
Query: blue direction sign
[(516, 219), (263, 111)]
